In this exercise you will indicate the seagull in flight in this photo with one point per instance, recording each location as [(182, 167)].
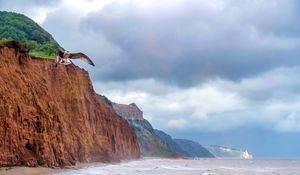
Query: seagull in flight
[(64, 57)]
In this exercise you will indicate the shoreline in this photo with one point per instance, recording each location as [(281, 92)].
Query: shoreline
[(29, 170), (208, 163), (17, 170)]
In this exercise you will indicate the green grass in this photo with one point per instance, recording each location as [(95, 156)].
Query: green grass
[(3, 40), (41, 54), (47, 51)]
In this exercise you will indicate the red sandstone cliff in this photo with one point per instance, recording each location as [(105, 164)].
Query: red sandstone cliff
[(51, 116), (128, 111)]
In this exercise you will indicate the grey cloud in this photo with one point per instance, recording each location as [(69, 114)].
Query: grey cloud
[(193, 41), (281, 83)]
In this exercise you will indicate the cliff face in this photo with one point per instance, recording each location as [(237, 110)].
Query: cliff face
[(150, 144), (51, 116), (130, 111), (193, 149)]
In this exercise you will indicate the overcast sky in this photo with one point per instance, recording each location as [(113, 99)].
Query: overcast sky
[(192, 66)]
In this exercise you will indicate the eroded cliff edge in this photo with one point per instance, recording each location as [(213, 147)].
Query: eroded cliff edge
[(51, 116)]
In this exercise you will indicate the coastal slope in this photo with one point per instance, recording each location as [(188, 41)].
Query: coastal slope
[(51, 116), (153, 142), (183, 147), (151, 145)]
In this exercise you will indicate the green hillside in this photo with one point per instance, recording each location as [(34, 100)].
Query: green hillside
[(14, 26)]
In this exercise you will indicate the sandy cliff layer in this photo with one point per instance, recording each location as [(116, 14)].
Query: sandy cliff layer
[(51, 116)]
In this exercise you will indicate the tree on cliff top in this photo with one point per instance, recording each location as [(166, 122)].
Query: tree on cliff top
[(14, 26)]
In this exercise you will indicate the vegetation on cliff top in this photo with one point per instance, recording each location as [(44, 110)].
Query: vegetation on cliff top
[(14, 26)]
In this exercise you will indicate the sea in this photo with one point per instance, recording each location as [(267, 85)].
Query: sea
[(156, 166)]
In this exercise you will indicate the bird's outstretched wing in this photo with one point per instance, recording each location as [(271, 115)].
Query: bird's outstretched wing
[(81, 56)]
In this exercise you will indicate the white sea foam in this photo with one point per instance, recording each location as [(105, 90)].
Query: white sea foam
[(193, 167)]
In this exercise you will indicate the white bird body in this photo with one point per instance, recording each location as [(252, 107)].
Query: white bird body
[(64, 61)]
